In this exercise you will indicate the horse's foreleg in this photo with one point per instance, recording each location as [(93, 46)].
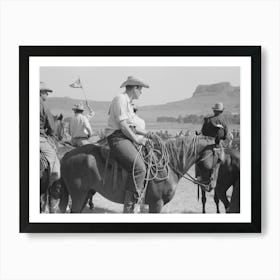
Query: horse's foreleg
[(155, 207), (203, 199), (216, 199)]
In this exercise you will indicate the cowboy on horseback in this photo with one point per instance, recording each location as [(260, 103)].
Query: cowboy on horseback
[(216, 126), (123, 138), (79, 127), (47, 148)]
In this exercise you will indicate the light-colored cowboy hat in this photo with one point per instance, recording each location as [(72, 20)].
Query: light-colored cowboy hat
[(132, 81), (78, 107), (43, 87), (218, 107)]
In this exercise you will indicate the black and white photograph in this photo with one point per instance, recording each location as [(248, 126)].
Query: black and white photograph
[(142, 138), (177, 134), (139, 140)]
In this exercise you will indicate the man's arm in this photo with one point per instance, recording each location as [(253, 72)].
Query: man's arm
[(91, 113), (130, 134)]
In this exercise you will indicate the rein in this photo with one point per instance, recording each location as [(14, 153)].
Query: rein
[(190, 178), (187, 176)]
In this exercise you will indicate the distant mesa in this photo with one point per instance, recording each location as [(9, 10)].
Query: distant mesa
[(224, 88)]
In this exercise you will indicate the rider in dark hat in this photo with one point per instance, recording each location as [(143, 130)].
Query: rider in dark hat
[(216, 126)]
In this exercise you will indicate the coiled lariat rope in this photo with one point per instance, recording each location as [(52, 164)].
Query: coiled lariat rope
[(156, 158)]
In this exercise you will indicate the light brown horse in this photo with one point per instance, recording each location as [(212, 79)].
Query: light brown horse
[(83, 170)]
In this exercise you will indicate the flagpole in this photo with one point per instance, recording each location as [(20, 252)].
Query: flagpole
[(83, 89)]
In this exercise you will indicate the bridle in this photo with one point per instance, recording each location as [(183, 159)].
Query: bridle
[(187, 176), (215, 167), (154, 169)]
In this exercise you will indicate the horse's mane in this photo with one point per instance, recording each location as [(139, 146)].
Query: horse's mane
[(180, 150)]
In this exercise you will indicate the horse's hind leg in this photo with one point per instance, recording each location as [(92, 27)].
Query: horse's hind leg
[(90, 199), (58, 197), (234, 206), (44, 203), (224, 199), (64, 197), (79, 200)]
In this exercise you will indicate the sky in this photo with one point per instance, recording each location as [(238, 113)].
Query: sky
[(167, 84)]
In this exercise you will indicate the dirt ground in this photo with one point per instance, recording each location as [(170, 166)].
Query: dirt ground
[(184, 201)]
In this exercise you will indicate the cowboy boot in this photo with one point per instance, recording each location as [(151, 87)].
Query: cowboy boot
[(130, 203)]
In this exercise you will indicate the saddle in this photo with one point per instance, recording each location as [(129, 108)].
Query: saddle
[(111, 164), (156, 163)]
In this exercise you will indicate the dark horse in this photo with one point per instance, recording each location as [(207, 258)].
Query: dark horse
[(228, 175), (83, 170), (61, 148)]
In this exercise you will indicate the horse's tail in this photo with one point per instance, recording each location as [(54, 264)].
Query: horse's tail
[(197, 192)]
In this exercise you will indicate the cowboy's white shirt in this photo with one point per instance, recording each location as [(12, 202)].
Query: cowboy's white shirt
[(120, 110)]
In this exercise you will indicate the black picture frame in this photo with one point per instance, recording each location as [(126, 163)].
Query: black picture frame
[(254, 52)]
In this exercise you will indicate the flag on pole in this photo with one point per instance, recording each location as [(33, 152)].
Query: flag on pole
[(76, 84)]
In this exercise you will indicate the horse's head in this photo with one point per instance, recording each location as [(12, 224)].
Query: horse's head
[(207, 166), (59, 127), (186, 151)]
